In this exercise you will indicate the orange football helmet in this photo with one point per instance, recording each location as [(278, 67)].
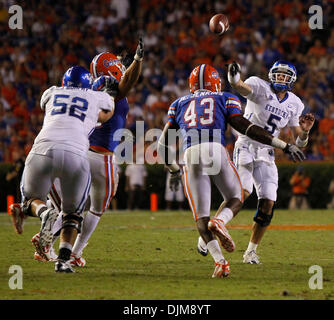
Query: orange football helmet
[(107, 64), (204, 77)]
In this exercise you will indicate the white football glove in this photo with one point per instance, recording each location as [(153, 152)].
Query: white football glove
[(174, 181)]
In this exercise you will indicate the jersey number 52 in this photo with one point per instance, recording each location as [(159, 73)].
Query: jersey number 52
[(190, 116), (77, 107)]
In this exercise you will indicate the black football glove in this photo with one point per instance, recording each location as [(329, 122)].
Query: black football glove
[(174, 181), (107, 84), (295, 153), (233, 72), (140, 50)]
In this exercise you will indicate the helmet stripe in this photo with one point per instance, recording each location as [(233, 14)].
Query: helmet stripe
[(201, 76), (96, 58)]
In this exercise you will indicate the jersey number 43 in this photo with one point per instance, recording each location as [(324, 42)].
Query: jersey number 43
[(191, 117)]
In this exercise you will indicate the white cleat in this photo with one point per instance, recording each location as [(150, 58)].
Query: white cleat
[(63, 266), (222, 269), (43, 253), (48, 218), (251, 257), (202, 248), (77, 261), (217, 226)]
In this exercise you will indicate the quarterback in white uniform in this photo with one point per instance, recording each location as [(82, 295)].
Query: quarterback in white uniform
[(60, 151), (272, 106)]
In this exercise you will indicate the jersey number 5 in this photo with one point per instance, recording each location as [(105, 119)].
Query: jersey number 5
[(272, 125), (190, 115), (76, 109)]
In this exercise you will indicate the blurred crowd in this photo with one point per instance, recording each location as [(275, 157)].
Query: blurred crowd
[(58, 34)]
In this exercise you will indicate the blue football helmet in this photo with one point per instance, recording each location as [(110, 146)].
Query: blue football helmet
[(282, 75), (78, 77)]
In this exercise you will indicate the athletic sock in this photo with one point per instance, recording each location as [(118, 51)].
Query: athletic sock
[(252, 246), (65, 250), (202, 243), (40, 209), (215, 251), (226, 215), (57, 225), (89, 224)]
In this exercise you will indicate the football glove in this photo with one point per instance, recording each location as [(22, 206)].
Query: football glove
[(295, 153), (233, 72), (174, 181), (107, 84), (140, 50)]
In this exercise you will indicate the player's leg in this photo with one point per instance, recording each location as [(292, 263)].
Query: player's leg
[(75, 181), (104, 185), (36, 180), (44, 249), (229, 184), (197, 188), (266, 183)]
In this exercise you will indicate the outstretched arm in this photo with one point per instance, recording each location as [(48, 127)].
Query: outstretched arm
[(259, 134), (234, 79), (306, 122), (132, 74)]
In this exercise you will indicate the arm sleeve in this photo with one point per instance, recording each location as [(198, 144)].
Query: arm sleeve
[(257, 86), (294, 120), (106, 101), (172, 113), (233, 106), (45, 98)]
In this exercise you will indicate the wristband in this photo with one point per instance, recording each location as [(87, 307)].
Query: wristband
[(137, 58), (301, 143), (173, 168), (278, 143)]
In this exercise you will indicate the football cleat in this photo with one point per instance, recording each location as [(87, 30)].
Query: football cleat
[(203, 250), (48, 217), (44, 254), (217, 226), (222, 269), (38, 257), (63, 266), (251, 257), (77, 261), (17, 217)]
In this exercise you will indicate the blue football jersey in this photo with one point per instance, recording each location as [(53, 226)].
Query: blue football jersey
[(202, 116), (103, 137)]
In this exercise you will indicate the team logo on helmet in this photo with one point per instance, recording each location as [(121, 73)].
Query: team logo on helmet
[(204, 77), (107, 64)]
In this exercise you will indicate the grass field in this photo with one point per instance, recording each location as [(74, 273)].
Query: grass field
[(152, 256)]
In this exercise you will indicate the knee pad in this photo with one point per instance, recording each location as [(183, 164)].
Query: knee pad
[(262, 218), (72, 220)]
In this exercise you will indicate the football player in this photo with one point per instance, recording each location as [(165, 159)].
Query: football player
[(272, 106), (60, 151), (109, 74), (202, 117)]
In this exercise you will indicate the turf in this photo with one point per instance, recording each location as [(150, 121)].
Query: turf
[(142, 255)]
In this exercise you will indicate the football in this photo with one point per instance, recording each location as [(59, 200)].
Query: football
[(219, 24)]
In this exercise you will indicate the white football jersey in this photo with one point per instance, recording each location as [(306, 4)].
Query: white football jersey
[(71, 115), (265, 110)]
